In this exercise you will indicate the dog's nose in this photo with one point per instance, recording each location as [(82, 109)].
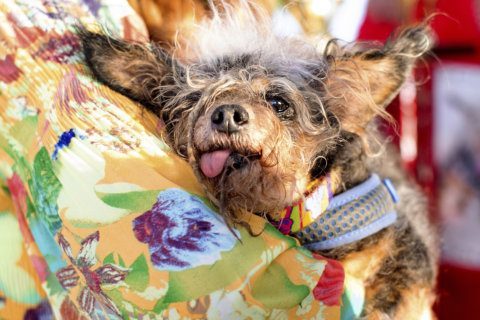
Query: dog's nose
[(229, 118)]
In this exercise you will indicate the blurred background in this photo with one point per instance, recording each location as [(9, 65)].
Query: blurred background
[(437, 111)]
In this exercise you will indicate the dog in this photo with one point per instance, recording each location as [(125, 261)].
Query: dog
[(264, 121)]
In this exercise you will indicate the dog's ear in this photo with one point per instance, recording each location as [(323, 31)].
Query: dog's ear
[(360, 83), (137, 70)]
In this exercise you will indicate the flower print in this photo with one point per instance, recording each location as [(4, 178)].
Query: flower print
[(329, 288), (20, 108), (93, 5), (68, 310), (64, 141), (25, 33), (182, 232), (42, 311), (60, 49), (91, 299), (9, 72), (53, 10), (70, 93), (199, 305), (225, 304)]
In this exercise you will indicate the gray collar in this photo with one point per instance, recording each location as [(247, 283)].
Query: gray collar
[(353, 215)]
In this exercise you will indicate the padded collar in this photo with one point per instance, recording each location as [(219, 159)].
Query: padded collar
[(348, 217)]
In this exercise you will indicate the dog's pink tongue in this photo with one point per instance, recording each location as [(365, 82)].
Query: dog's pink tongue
[(212, 163)]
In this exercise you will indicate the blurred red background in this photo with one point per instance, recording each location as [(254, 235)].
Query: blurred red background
[(457, 28)]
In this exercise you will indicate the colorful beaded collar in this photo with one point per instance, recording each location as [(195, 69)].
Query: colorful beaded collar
[(321, 221)]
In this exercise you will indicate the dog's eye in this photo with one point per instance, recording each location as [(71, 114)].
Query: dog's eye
[(278, 104)]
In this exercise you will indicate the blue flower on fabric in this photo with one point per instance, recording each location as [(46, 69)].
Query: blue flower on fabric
[(64, 141), (182, 232)]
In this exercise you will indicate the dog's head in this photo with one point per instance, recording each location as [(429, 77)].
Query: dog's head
[(253, 113)]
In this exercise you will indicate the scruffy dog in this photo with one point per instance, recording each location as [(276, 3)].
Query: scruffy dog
[(260, 117)]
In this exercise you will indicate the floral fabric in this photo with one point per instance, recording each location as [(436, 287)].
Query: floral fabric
[(98, 219)]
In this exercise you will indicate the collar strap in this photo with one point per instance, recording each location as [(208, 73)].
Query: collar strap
[(306, 210), (351, 216)]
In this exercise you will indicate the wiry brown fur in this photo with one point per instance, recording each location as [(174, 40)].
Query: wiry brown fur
[(332, 97)]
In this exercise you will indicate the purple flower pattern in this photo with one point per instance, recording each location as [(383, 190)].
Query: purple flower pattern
[(60, 49), (182, 232)]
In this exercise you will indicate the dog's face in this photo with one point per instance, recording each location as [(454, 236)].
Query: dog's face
[(255, 132), (255, 124)]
